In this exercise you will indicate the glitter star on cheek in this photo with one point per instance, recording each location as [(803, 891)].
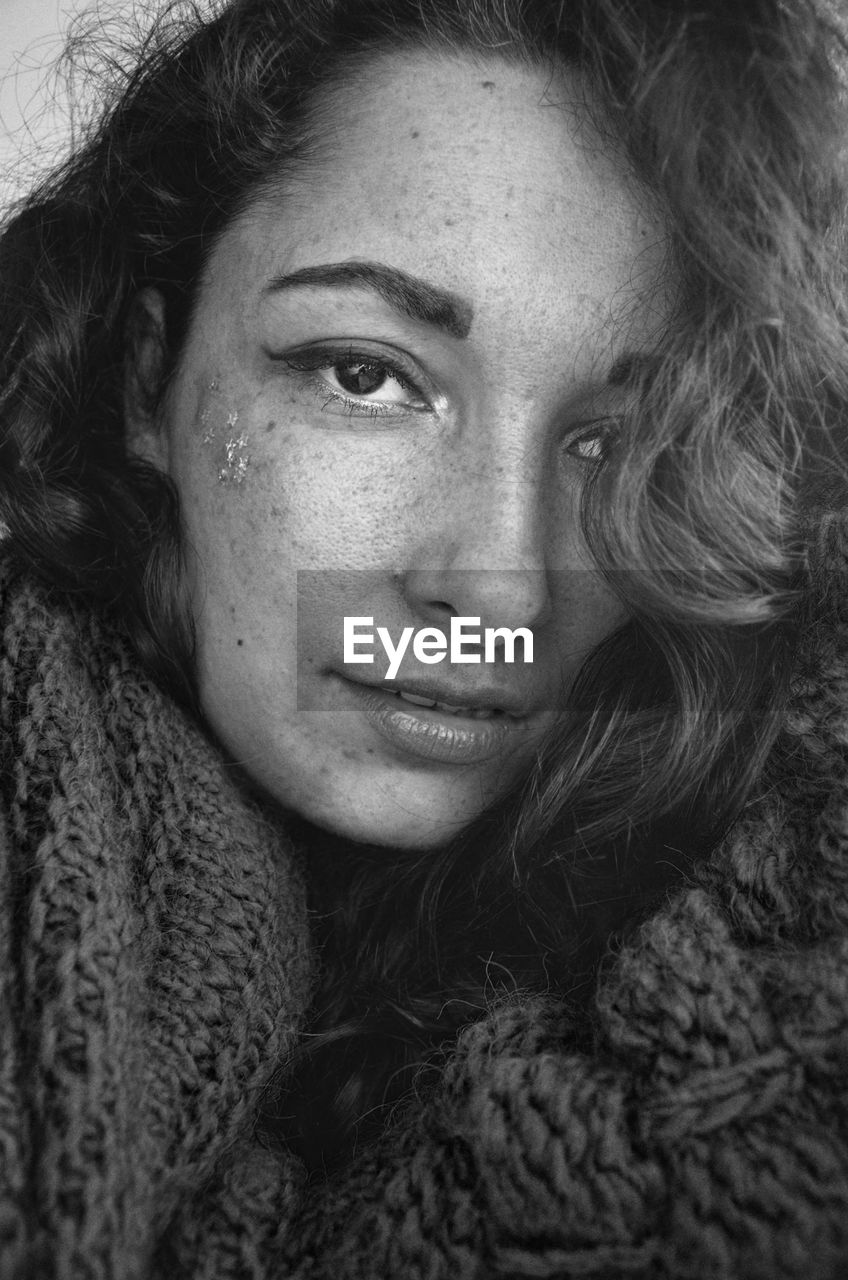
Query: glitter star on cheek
[(237, 460), (209, 431)]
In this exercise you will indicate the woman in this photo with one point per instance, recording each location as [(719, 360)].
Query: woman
[(350, 324)]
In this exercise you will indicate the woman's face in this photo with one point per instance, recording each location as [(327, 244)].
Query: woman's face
[(391, 393)]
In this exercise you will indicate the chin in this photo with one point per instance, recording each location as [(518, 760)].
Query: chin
[(400, 830)]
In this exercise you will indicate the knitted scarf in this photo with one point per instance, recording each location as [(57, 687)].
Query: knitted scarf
[(153, 955), (155, 968)]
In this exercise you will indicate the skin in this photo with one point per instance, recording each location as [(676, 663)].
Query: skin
[(456, 495)]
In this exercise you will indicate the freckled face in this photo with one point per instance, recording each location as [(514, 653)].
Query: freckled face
[(394, 383)]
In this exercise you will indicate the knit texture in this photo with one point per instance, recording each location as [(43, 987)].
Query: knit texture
[(155, 966), (153, 959), (707, 1135)]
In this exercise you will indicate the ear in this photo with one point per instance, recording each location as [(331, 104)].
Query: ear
[(144, 371)]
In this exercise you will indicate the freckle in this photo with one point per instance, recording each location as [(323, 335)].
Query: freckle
[(239, 643), (271, 425), (415, 134), (450, 222), (487, 84)]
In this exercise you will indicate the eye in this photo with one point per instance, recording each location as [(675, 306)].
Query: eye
[(367, 378), (358, 382), (594, 439)]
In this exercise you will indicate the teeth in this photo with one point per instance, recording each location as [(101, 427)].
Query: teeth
[(413, 697), (474, 713)]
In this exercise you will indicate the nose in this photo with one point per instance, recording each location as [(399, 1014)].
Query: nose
[(483, 552)]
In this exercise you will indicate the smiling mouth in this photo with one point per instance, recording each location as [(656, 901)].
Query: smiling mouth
[(463, 699), (473, 713), (415, 724)]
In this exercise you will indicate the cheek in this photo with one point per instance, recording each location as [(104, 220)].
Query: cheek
[(328, 503), (267, 551), (585, 612)]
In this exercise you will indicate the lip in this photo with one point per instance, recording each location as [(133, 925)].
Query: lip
[(481, 698), (438, 736)]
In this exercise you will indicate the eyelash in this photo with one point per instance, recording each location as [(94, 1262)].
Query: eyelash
[(311, 361)]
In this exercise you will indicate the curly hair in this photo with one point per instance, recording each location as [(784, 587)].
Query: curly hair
[(697, 515)]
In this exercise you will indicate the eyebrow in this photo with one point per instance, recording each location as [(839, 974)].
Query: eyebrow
[(409, 294)]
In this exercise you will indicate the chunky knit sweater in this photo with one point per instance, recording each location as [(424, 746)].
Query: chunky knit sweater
[(155, 969)]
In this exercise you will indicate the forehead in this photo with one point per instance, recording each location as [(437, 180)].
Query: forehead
[(488, 177)]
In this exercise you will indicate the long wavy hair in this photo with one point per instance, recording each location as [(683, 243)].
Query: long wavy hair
[(697, 514)]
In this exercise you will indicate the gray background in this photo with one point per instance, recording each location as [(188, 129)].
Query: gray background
[(34, 111)]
